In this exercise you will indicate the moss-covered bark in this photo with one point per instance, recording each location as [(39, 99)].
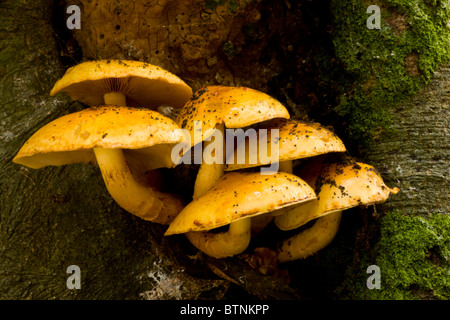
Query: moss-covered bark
[(412, 253), (398, 113), (413, 243), (383, 66), (392, 103)]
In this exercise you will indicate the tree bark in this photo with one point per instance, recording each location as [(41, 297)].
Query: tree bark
[(408, 237), (415, 155)]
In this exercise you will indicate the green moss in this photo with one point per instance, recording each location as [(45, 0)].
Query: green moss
[(414, 259), (386, 65), (229, 49)]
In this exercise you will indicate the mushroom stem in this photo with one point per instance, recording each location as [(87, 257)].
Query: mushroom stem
[(141, 201), (262, 221), (223, 244), (209, 173), (298, 216), (310, 240), (172, 205), (115, 98)]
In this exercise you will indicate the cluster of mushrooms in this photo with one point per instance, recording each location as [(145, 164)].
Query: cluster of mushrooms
[(127, 136)]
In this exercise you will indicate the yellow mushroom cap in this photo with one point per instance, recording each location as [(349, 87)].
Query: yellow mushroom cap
[(71, 138), (236, 107), (296, 140), (143, 84), (339, 186), (238, 195)]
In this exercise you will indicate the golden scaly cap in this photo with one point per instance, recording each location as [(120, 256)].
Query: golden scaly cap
[(143, 84), (235, 107), (238, 195)]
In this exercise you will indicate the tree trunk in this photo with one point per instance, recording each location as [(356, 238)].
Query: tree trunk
[(410, 238), (415, 155)]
